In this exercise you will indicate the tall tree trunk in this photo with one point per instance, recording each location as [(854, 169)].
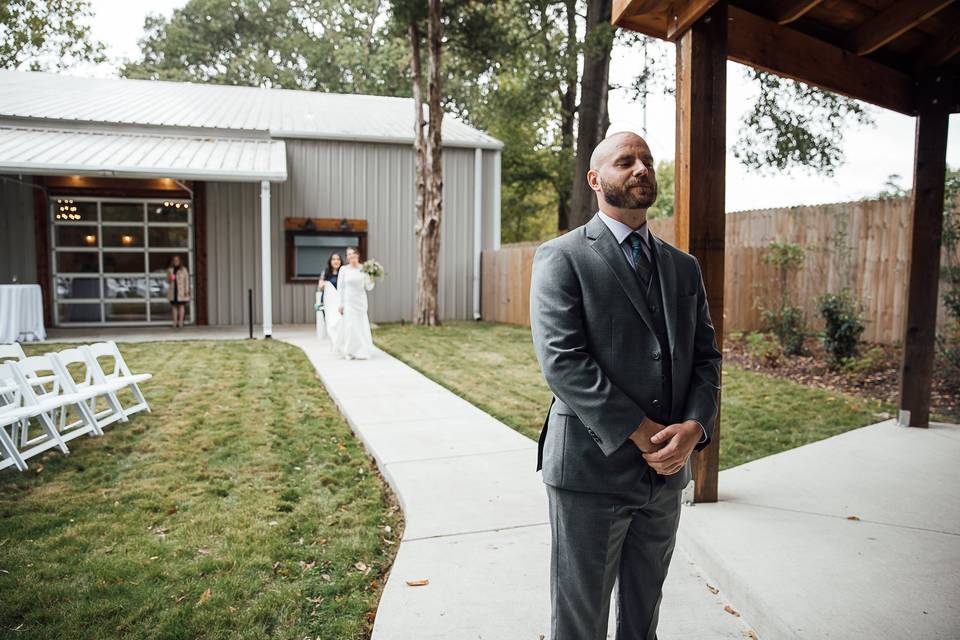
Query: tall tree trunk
[(419, 141), (568, 108), (593, 115), (428, 224)]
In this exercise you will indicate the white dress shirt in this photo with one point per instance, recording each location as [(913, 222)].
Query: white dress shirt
[(620, 232)]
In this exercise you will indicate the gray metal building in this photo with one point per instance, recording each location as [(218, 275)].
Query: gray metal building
[(102, 181)]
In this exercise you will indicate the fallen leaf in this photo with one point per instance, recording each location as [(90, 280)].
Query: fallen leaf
[(360, 566), (204, 597), (731, 611), (712, 588), (417, 583), (853, 517)]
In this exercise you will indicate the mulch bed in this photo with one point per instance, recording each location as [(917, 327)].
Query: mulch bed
[(880, 382)]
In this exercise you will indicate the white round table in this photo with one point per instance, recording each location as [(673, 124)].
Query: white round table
[(21, 313)]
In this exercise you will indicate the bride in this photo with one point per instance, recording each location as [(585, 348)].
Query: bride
[(352, 338)]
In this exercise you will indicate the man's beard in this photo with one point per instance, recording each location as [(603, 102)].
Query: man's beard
[(622, 198)]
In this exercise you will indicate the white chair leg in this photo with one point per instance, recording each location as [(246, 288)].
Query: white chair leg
[(89, 418), (10, 450), (51, 430), (141, 399)]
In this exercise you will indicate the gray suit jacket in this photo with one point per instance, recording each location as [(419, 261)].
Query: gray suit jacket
[(595, 341)]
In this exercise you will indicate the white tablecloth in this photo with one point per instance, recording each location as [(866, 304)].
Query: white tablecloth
[(21, 313)]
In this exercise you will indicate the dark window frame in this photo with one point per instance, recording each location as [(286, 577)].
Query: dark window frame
[(294, 227)]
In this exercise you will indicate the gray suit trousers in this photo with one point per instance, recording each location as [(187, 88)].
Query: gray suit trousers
[(598, 539)]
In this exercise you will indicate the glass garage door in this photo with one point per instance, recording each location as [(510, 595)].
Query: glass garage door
[(110, 256)]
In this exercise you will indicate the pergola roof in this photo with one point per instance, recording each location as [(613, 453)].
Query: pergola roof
[(881, 51)]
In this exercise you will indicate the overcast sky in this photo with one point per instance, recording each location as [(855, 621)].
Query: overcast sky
[(872, 153)]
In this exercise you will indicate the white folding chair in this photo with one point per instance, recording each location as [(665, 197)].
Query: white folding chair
[(119, 373), (19, 446), (12, 351), (8, 352), (45, 387), (86, 384)]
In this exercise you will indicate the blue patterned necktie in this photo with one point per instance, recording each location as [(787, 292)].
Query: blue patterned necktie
[(641, 262)]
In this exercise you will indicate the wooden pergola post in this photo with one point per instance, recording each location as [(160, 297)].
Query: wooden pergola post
[(916, 371), (699, 182)]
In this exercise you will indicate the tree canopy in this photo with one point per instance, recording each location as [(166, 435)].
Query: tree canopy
[(46, 36), (514, 68)]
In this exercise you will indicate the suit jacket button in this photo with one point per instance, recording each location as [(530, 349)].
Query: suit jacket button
[(653, 308), (655, 403), (655, 355)]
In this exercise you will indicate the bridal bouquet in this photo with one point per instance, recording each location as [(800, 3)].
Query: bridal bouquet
[(373, 269)]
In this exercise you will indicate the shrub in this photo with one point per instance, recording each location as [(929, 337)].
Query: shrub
[(844, 326), (786, 320), (872, 360), (762, 346), (789, 325)]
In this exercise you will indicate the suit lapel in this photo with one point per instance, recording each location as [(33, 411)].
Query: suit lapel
[(602, 241), (668, 288)]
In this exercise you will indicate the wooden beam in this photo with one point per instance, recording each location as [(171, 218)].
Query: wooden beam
[(622, 9), (683, 13), (930, 164), (792, 10), (649, 24), (766, 45), (699, 183), (940, 51), (890, 23)]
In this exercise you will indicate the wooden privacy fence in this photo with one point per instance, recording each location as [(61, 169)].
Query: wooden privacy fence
[(862, 245)]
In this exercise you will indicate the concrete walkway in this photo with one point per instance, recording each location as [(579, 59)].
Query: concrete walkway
[(853, 537), (476, 513)]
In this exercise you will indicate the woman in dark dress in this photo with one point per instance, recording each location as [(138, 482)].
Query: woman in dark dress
[(330, 273)]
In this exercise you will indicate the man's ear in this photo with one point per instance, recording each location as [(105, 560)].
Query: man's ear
[(593, 180)]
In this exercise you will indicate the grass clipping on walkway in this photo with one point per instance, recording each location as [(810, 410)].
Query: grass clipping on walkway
[(493, 366), (242, 507)]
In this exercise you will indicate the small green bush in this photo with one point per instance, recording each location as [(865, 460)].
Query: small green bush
[(789, 325), (763, 346), (872, 360), (844, 326)]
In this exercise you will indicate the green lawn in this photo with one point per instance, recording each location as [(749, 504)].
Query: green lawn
[(242, 507), (493, 366)]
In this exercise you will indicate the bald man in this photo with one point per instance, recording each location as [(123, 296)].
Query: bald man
[(622, 331)]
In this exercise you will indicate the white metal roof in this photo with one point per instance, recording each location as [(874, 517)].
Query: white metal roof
[(50, 151), (279, 113)]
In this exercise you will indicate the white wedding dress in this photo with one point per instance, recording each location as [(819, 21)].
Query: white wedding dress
[(351, 337), (328, 320)]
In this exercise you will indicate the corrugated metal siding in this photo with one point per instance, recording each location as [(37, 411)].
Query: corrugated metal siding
[(491, 199), (233, 251), (342, 180), (18, 256)]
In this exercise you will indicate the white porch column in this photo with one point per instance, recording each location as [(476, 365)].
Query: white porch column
[(477, 227), (496, 200), (266, 276)]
